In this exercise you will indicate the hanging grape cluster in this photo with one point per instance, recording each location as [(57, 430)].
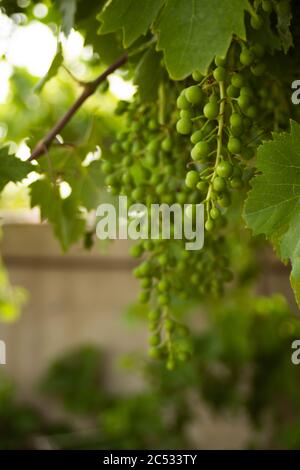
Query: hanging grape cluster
[(148, 164)]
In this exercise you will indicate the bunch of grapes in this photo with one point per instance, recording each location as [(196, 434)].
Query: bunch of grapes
[(222, 113), (148, 164)]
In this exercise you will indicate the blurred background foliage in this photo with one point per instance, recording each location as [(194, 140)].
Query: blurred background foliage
[(242, 363)]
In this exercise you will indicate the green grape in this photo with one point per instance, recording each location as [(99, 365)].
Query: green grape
[(220, 61), (234, 145), (209, 225), (215, 213), (182, 102), (184, 126), (220, 74), (267, 6), (232, 91), (258, 69), (236, 183), (186, 113), (251, 112), (246, 57), (202, 186), (194, 94), (197, 76), (192, 179), (196, 136), (107, 167), (219, 184), (236, 120), (166, 144), (211, 110), (237, 80), (258, 50), (224, 200), (243, 101), (136, 251), (201, 150), (224, 169)]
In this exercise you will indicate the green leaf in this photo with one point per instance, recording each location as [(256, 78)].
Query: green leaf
[(12, 169), (68, 11), (89, 186), (193, 32), (148, 75), (63, 214), (53, 70), (273, 205), (130, 16)]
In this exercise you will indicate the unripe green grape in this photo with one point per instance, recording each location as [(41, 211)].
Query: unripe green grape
[(163, 299), (237, 80), (137, 194), (184, 126), (224, 169), (170, 364), (192, 179), (251, 112), (196, 136), (110, 180), (163, 259), (211, 110), (224, 200), (256, 22), (201, 150), (236, 120), (162, 286), (202, 186), (136, 251), (243, 101), (107, 167), (186, 113), (219, 184), (232, 91), (246, 57), (144, 297), (220, 74), (151, 160), (160, 189), (234, 145), (154, 315), (236, 183), (153, 145), (197, 76), (146, 283), (154, 339), (258, 50), (182, 102), (209, 225), (236, 131), (267, 6), (258, 70), (237, 172), (215, 213), (181, 197), (169, 325), (166, 144), (245, 90), (194, 94), (220, 61), (154, 353), (153, 125)]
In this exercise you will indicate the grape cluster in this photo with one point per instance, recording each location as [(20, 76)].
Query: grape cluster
[(148, 164), (221, 113)]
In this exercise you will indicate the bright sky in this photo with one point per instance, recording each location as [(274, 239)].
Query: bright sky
[(33, 46)]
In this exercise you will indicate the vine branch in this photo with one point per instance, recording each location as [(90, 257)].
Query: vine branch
[(88, 90)]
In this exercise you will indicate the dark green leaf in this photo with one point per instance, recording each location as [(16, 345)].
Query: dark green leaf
[(12, 168)]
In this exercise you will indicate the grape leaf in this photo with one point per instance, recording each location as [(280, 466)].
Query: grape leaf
[(68, 11), (12, 168), (193, 32), (148, 75), (273, 204), (130, 16), (63, 214), (52, 72)]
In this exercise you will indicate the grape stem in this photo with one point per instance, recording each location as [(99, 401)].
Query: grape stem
[(220, 133), (88, 90)]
